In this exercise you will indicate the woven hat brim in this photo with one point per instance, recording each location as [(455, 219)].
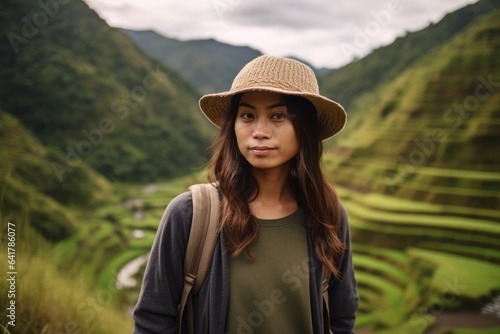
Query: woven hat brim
[(331, 115)]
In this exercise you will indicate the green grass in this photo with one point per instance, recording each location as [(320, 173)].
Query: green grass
[(68, 247), (392, 273), (448, 222), (363, 320), (368, 295), (49, 300), (460, 173), (391, 296), (458, 275), (416, 324), (143, 243), (103, 232), (392, 318), (150, 222), (108, 274), (386, 290), (487, 254), (420, 232), (392, 203), (395, 257)]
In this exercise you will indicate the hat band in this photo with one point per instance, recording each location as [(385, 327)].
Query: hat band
[(282, 86)]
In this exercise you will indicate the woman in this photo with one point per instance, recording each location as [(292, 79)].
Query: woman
[(281, 220)]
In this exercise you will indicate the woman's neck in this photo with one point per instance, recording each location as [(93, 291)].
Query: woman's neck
[(276, 198)]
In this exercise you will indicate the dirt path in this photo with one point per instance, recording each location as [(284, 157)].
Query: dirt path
[(463, 320), (456, 320)]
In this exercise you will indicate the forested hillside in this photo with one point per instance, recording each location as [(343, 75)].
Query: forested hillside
[(84, 88)]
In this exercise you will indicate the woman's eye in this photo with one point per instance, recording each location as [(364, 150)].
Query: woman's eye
[(279, 115), (246, 116)]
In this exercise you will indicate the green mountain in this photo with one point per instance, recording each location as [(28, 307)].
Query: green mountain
[(85, 88), (418, 171), (208, 65), (317, 70), (350, 82)]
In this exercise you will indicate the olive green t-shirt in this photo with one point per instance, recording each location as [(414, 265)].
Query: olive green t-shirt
[(270, 294)]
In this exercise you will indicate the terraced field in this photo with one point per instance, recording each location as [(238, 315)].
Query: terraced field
[(124, 230), (412, 263), (417, 260)]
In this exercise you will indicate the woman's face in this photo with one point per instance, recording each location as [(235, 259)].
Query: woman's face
[(264, 131)]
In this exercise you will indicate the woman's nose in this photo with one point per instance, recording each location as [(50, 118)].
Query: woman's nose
[(262, 129)]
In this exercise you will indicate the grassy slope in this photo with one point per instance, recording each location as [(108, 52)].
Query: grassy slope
[(445, 205), (30, 187), (49, 300)]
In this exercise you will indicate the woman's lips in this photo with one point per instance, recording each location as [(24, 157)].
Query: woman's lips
[(261, 150)]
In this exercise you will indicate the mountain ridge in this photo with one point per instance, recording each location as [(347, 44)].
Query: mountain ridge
[(208, 64)]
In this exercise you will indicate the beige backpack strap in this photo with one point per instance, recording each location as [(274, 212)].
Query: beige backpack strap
[(325, 279), (200, 246)]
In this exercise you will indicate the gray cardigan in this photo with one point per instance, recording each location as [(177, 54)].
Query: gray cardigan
[(157, 308)]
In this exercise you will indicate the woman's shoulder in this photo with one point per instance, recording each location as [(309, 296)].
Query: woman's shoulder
[(182, 202), (343, 212), (179, 212)]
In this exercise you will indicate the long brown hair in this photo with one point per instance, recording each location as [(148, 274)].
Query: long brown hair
[(312, 190)]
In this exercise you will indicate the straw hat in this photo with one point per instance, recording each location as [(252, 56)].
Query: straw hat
[(279, 75)]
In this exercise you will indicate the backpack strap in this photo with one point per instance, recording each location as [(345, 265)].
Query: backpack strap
[(200, 246), (325, 279)]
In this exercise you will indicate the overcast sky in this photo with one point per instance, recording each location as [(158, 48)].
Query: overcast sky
[(326, 33)]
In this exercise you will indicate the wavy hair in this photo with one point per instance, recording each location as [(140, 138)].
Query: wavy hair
[(313, 191)]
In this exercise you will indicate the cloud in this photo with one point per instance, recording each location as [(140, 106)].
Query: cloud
[(313, 30), (298, 15)]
